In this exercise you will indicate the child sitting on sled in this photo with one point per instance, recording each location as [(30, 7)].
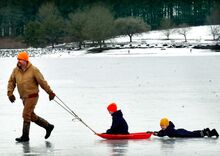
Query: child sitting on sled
[(119, 125), (168, 129)]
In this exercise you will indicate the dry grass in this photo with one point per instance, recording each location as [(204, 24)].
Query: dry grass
[(9, 43)]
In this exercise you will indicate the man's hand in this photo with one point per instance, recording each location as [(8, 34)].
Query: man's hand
[(12, 98), (51, 96)]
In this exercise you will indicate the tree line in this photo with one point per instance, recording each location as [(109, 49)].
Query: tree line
[(42, 22), (93, 24)]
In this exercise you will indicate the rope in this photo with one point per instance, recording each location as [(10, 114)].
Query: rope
[(71, 112)]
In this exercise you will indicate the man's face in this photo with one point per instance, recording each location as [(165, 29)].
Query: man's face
[(22, 63)]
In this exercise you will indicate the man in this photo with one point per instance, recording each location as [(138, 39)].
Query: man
[(27, 78)]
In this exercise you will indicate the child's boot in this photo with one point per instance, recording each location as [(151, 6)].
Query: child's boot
[(214, 133)]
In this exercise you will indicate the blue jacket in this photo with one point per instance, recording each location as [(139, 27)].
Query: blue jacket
[(170, 131), (119, 125)]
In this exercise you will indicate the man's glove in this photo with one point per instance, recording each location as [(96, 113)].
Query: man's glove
[(12, 98), (51, 96)]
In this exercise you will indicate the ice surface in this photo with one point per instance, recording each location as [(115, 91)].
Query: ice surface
[(186, 89)]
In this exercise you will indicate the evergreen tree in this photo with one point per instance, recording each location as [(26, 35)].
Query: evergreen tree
[(76, 27), (32, 35), (214, 17), (11, 21), (99, 24), (51, 23)]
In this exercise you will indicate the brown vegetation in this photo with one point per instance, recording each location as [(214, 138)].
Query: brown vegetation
[(9, 43)]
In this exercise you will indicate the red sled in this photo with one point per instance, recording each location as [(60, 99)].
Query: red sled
[(139, 135)]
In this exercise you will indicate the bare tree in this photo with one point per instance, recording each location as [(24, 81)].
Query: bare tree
[(183, 30), (214, 20), (166, 25), (130, 26), (215, 31)]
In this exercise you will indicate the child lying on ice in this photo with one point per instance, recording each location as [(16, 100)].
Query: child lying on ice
[(168, 129)]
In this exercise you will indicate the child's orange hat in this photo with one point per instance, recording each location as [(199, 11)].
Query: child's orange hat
[(23, 55), (112, 107), (164, 122)]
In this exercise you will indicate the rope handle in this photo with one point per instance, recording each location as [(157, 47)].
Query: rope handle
[(71, 112)]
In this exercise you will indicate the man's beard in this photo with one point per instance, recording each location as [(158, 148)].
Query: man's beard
[(19, 65)]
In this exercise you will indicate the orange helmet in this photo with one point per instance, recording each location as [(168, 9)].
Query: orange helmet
[(112, 107), (23, 55), (164, 122)]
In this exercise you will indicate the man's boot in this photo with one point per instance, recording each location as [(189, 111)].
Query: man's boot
[(214, 133), (25, 132), (48, 127)]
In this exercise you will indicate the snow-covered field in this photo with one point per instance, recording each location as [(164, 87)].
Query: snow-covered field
[(198, 33), (145, 44), (184, 88)]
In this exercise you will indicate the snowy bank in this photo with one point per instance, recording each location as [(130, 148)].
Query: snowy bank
[(145, 44)]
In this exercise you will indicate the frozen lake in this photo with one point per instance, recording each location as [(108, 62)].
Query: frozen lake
[(186, 89)]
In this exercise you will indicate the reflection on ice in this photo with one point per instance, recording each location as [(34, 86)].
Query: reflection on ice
[(116, 147), (42, 149), (185, 145)]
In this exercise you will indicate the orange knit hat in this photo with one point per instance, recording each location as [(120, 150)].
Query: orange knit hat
[(23, 55), (112, 107), (164, 122)]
